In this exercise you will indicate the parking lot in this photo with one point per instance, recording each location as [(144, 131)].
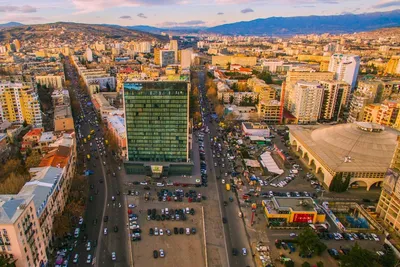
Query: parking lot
[(179, 249)]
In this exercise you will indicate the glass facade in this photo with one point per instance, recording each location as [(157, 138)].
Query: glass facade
[(157, 120)]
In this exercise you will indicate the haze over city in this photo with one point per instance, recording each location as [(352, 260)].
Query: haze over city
[(176, 12)]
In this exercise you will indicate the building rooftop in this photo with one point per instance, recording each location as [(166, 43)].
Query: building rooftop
[(56, 158), (42, 185), (34, 132), (47, 137), (350, 147), (295, 203), (11, 207), (118, 123)]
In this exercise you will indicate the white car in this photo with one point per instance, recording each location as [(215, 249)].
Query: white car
[(80, 220), (166, 211), (89, 259), (223, 181), (88, 246), (162, 255), (76, 258), (113, 256), (143, 183), (161, 232), (375, 237), (188, 231), (244, 251), (105, 231), (156, 231), (160, 184), (131, 206)]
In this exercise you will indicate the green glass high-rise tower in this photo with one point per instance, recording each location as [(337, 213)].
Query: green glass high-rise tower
[(157, 127)]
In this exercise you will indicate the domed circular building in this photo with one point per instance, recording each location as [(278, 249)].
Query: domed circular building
[(362, 150)]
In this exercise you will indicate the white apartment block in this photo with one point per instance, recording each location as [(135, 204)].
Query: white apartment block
[(307, 101), (345, 67)]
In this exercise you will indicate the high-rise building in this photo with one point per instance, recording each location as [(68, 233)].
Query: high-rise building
[(167, 57), (17, 44), (307, 101), (19, 101), (388, 208), (336, 96), (186, 58), (157, 127), (301, 75), (345, 67), (393, 66), (173, 45), (157, 59), (89, 55)]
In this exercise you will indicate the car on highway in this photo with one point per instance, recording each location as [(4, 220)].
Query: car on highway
[(105, 219), (76, 258), (88, 246), (80, 220), (105, 231), (113, 256), (89, 259), (244, 251)]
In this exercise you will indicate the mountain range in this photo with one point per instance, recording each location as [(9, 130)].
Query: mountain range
[(281, 26)]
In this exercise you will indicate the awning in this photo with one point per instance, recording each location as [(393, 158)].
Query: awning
[(268, 162)]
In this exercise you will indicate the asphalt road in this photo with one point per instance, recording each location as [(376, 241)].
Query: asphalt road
[(234, 229), (101, 204)]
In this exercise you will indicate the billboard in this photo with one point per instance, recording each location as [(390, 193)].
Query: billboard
[(303, 218), (156, 169)]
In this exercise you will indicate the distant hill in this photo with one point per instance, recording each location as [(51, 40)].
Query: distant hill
[(347, 23), (10, 24), (70, 30)]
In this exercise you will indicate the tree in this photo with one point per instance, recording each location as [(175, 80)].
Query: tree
[(231, 99), (219, 110), (6, 261), (359, 257), (338, 184), (289, 264), (265, 76), (388, 259), (62, 224), (309, 242), (306, 264), (320, 264), (33, 160)]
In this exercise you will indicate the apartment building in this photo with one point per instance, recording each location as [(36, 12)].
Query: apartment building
[(116, 126), (393, 66), (386, 113), (307, 101), (19, 101), (265, 91), (237, 98), (186, 58), (345, 67), (305, 74), (270, 111), (21, 236), (335, 98), (224, 61), (26, 219), (51, 80)]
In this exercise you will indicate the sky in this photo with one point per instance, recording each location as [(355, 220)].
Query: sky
[(171, 13)]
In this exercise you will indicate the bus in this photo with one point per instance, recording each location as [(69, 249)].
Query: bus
[(228, 187)]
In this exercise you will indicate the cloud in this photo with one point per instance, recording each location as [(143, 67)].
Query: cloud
[(247, 10), (386, 4), (220, 13), (141, 15), (18, 9), (186, 23), (125, 17)]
